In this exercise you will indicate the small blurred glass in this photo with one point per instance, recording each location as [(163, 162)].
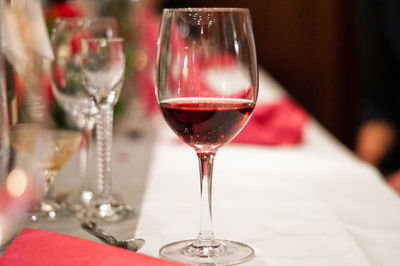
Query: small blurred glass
[(60, 145)]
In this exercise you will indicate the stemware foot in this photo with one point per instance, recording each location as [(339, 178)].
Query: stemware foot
[(226, 252), (77, 201), (113, 211), (49, 209)]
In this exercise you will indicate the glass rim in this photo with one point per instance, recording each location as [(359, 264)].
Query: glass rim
[(112, 39), (207, 9), (72, 19)]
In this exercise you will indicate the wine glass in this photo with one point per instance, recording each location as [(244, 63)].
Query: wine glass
[(60, 145), (72, 95), (103, 67), (206, 88)]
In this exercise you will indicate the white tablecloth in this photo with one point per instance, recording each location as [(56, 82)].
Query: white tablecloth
[(311, 204)]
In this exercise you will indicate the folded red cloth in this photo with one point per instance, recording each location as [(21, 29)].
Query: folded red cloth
[(40, 247), (280, 123)]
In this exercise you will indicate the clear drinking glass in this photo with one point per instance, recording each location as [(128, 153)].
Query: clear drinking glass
[(206, 88), (103, 67), (71, 93)]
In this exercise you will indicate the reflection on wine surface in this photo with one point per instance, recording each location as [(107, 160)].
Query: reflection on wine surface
[(58, 147)]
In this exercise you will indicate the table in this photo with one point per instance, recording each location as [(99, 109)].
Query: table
[(311, 204)]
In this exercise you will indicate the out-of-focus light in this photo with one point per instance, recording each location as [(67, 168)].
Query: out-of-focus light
[(141, 60), (52, 214), (185, 70), (237, 46), (185, 62), (17, 182)]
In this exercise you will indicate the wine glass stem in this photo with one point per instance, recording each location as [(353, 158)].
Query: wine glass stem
[(104, 143), (85, 156), (49, 184), (206, 234)]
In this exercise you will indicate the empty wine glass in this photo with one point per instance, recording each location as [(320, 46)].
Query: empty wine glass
[(70, 92), (103, 66), (206, 88)]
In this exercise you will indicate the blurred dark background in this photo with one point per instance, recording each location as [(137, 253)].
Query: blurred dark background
[(308, 46)]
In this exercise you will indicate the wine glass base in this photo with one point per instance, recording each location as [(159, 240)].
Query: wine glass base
[(110, 212), (49, 209), (226, 253), (77, 201)]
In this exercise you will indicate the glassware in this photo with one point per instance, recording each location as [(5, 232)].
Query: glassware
[(103, 66), (26, 47), (60, 145), (70, 92), (206, 88), (19, 185)]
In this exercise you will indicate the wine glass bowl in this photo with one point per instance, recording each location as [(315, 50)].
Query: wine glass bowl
[(206, 88), (206, 123), (63, 144), (66, 70), (104, 67)]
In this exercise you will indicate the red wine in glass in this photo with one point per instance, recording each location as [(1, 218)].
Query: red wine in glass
[(206, 123), (206, 87)]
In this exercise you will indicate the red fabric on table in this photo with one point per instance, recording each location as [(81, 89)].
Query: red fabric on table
[(279, 123), (40, 248)]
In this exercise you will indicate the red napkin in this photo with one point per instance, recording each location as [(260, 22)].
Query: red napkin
[(280, 123), (40, 247)]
